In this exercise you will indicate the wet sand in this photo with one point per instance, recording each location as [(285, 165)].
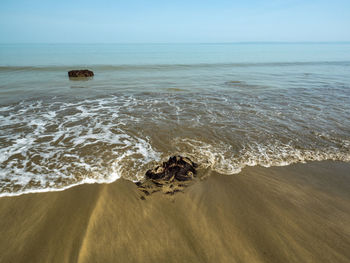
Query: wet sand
[(296, 213)]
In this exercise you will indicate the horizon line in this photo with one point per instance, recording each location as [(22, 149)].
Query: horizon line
[(165, 43)]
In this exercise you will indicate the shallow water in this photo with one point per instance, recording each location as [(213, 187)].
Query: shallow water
[(225, 106)]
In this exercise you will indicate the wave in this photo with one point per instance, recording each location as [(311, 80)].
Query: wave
[(216, 158), (223, 159), (54, 145), (127, 67)]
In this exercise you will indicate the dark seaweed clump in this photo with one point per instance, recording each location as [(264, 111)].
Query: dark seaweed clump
[(169, 177)]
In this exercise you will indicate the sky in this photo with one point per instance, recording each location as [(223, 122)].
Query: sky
[(156, 21)]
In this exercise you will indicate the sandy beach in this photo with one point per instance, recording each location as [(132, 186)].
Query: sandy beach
[(174, 131), (296, 213)]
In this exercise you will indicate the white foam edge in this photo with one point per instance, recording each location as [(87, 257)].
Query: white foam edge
[(111, 179)]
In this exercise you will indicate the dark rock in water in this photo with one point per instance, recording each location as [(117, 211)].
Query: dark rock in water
[(81, 73), (176, 168), (170, 177)]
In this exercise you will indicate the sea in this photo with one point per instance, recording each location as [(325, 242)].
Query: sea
[(225, 105)]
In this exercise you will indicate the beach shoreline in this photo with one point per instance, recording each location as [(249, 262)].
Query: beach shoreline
[(295, 213)]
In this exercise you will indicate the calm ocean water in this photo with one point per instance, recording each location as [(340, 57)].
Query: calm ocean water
[(224, 105)]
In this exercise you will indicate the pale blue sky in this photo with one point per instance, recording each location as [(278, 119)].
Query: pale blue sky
[(173, 21)]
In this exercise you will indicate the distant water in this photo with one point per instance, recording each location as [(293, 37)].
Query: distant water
[(224, 105)]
